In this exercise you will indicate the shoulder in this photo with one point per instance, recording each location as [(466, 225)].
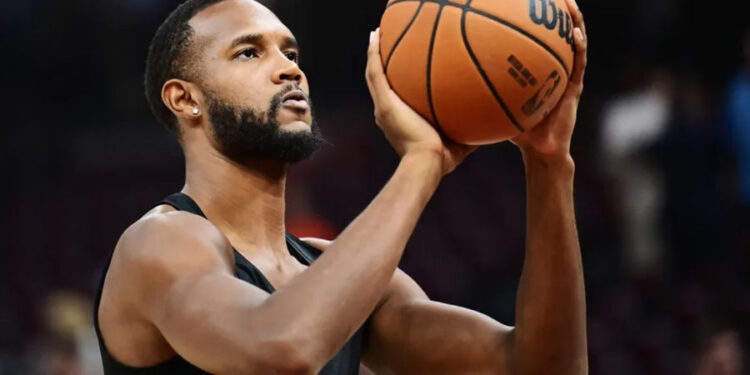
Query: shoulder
[(161, 254), (163, 246), (164, 230), (164, 224)]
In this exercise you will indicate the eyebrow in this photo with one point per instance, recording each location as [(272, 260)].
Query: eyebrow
[(288, 42)]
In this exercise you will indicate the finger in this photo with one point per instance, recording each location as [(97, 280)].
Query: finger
[(376, 80), (579, 66), (368, 68), (577, 16)]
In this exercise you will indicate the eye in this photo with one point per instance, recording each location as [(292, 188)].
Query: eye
[(248, 54), (292, 56)]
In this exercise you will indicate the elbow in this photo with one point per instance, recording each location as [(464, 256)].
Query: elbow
[(282, 357), (292, 358)]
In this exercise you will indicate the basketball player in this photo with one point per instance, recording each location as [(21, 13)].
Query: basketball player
[(209, 281)]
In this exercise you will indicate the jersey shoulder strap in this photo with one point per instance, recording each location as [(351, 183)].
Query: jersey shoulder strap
[(304, 252), (183, 202)]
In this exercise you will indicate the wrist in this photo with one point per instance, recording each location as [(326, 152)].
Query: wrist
[(429, 163), (559, 163)]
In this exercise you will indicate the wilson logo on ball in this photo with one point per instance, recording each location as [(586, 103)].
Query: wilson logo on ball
[(481, 71), (547, 14)]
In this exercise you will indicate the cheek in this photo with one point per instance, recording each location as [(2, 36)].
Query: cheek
[(246, 87), (305, 85)]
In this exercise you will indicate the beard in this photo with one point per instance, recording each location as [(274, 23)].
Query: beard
[(243, 134)]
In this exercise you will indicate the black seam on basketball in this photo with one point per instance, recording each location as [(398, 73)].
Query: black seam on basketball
[(429, 68), (400, 37), (497, 19), (402, 1), (483, 73)]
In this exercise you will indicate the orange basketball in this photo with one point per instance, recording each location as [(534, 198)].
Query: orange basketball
[(482, 71)]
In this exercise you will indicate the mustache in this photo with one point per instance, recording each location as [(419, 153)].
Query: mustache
[(287, 89), (273, 110)]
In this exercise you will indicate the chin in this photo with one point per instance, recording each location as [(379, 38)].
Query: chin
[(296, 126)]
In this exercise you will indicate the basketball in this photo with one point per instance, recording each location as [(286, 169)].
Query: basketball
[(481, 71)]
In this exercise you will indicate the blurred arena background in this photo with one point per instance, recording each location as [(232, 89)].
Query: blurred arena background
[(662, 189)]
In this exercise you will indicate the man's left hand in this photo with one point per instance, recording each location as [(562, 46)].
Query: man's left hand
[(551, 138)]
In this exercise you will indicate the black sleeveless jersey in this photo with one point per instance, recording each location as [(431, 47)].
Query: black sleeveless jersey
[(346, 362)]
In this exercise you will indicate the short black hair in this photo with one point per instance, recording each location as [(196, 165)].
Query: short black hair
[(169, 57)]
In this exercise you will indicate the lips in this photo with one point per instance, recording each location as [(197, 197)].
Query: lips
[(296, 100)]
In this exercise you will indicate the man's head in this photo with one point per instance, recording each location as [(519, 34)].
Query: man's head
[(227, 70)]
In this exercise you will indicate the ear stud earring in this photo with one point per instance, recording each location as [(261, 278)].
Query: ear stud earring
[(196, 111)]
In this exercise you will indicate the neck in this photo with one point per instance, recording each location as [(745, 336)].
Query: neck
[(245, 201)]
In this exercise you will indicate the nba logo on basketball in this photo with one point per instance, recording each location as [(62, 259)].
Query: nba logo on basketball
[(482, 71)]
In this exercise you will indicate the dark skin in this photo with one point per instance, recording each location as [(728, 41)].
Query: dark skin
[(172, 288)]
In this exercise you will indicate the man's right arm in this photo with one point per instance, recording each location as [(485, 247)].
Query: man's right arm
[(175, 271), (184, 283)]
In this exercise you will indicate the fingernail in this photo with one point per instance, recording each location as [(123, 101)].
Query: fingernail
[(372, 35), (578, 32)]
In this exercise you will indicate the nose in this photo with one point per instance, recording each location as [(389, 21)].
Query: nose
[(288, 72)]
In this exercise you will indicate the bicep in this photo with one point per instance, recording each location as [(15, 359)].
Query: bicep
[(184, 285), (411, 334), (208, 319)]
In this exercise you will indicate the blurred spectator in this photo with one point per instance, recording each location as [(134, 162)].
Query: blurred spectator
[(691, 156), (55, 356), (69, 345), (632, 123), (739, 118), (722, 356)]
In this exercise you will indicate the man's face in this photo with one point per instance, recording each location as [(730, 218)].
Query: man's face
[(257, 97)]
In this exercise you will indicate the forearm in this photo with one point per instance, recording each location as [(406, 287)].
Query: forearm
[(339, 291), (550, 333)]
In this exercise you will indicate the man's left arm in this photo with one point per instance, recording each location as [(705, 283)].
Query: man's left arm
[(409, 334)]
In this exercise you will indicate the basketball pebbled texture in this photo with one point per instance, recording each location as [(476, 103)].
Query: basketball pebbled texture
[(482, 71)]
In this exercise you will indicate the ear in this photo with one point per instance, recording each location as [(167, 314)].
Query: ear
[(183, 98)]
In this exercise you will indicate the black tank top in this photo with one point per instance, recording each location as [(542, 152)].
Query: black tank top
[(346, 362)]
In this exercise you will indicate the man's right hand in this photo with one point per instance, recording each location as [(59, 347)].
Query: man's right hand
[(405, 129)]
